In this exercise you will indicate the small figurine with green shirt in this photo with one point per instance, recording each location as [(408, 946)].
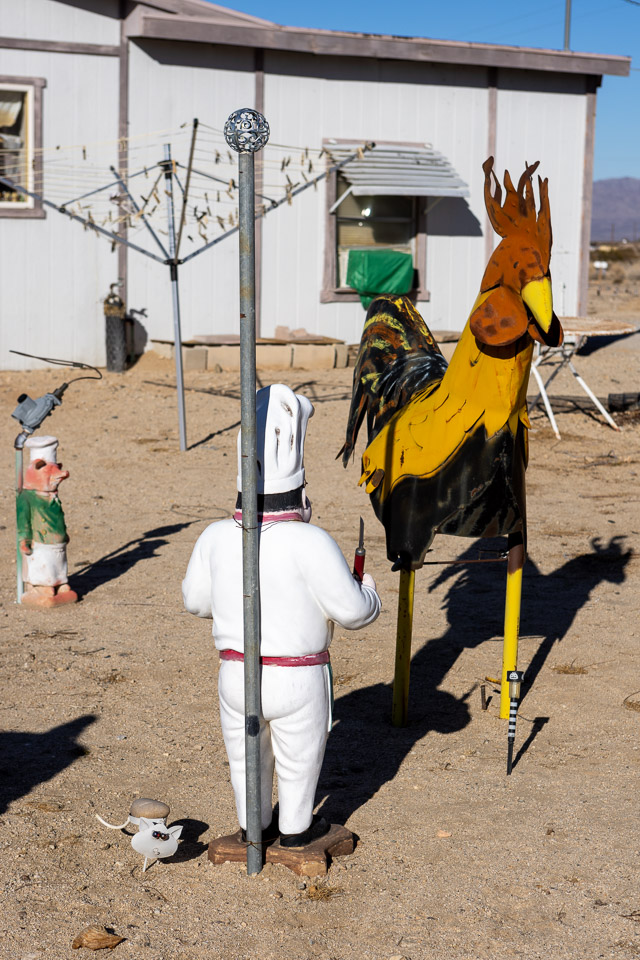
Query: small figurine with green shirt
[(42, 532)]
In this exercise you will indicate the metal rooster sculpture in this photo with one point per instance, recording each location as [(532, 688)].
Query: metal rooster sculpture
[(448, 445)]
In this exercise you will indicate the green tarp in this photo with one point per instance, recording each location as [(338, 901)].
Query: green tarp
[(373, 272)]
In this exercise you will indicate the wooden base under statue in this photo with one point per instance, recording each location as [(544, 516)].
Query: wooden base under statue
[(311, 860), (35, 596)]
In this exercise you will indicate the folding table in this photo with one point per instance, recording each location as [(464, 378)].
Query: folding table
[(576, 332)]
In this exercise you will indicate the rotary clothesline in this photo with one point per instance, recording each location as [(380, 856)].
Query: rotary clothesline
[(134, 217), (69, 179), (111, 209)]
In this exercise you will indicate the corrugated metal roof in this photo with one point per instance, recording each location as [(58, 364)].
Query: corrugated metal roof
[(399, 171)]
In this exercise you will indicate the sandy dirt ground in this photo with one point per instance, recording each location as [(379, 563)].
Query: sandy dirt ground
[(115, 698)]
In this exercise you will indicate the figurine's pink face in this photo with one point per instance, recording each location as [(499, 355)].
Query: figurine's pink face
[(44, 477)]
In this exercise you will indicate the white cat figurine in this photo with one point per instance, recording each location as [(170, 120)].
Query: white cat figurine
[(154, 839)]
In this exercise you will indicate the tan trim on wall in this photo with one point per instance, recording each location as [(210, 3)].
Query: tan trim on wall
[(587, 196), (492, 139), (61, 46)]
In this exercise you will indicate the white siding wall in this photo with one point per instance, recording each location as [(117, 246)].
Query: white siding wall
[(53, 20), (448, 108), (549, 125), (54, 274), (371, 101), (170, 84), (60, 273)]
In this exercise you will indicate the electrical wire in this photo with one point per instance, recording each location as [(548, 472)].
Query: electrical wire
[(63, 363)]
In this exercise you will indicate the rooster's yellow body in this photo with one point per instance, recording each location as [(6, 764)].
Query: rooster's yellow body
[(448, 445)]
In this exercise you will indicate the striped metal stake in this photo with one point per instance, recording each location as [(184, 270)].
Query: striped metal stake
[(514, 678)]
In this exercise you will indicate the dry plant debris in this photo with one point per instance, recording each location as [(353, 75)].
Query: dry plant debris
[(96, 938), (632, 702), (569, 668), (321, 892)]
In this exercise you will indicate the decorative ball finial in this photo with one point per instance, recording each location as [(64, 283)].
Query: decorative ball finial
[(246, 131)]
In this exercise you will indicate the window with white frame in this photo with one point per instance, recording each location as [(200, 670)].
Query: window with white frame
[(372, 222), (378, 196), (20, 145)]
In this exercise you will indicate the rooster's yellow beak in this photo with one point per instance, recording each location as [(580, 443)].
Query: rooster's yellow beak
[(538, 297)]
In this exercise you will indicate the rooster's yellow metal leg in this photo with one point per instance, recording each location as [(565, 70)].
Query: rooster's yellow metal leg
[(403, 649), (515, 563)]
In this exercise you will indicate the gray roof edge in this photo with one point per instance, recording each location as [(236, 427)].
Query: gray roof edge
[(202, 9), (248, 31)]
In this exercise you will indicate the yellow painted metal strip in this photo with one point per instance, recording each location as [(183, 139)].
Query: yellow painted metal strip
[(400, 707), (511, 623)]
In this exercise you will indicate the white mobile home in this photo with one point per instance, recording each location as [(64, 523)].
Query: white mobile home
[(116, 79)]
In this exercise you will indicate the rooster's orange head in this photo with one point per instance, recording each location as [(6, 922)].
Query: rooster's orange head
[(515, 295)]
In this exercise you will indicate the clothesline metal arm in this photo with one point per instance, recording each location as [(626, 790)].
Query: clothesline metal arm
[(140, 212), (274, 203), (86, 223), (209, 176)]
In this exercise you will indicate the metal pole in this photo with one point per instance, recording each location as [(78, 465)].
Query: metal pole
[(247, 131), (167, 165), (567, 23), (19, 580), (185, 195)]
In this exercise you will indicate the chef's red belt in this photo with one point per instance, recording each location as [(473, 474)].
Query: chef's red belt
[(310, 660)]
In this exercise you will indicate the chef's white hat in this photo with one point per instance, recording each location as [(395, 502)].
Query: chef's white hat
[(281, 425), (43, 448)]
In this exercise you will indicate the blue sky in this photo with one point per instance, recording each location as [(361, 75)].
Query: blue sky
[(597, 26)]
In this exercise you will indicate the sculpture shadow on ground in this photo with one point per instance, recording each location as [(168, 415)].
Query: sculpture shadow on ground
[(364, 751), (112, 565), (190, 847), (29, 759)]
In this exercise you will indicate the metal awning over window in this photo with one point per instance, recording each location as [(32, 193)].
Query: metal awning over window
[(398, 171)]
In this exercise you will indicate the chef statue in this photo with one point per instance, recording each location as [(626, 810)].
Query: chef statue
[(306, 587), (42, 532)]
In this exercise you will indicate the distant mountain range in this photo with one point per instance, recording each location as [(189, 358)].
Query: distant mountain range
[(616, 210)]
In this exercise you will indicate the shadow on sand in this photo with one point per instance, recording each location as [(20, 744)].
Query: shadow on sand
[(364, 751), (113, 565), (29, 759)]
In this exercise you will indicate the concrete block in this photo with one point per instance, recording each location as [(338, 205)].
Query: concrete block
[(164, 350), (226, 357), (314, 356), (342, 354), (194, 358), (447, 349), (273, 356)]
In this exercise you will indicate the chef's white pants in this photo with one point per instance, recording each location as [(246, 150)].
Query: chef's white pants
[(47, 564), (296, 717)]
